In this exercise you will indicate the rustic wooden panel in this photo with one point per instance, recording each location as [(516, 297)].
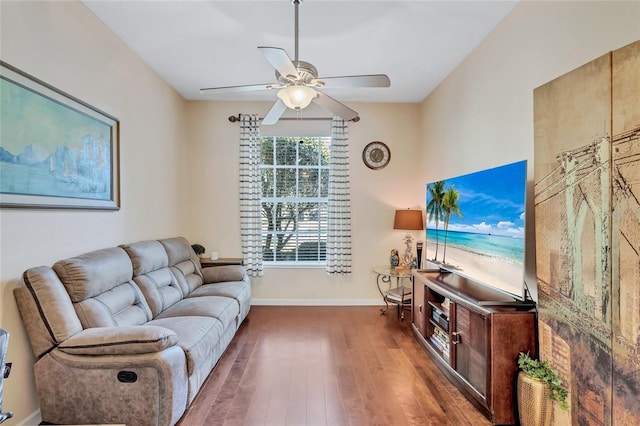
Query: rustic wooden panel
[(587, 192), (625, 232), (572, 124)]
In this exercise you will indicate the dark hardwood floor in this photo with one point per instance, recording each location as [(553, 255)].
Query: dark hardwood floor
[(332, 366)]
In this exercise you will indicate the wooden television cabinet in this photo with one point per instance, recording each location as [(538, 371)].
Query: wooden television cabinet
[(474, 335)]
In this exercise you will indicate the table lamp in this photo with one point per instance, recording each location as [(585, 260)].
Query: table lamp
[(408, 220)]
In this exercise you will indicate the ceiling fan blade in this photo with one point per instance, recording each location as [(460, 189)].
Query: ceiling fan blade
[(279, 59), (274, 113), (348, 81), (235, 89), (339, 109)]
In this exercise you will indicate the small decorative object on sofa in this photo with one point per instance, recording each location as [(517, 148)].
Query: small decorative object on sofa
[(129, 334), (198, 249)]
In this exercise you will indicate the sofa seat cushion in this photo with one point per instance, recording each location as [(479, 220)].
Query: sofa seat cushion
[(224, 309), (238, 290), (197, 336)]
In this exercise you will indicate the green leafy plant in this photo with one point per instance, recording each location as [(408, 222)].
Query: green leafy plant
[(199, 249), (542, 370)]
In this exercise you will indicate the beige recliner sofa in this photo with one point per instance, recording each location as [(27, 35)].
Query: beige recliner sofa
[(129, 334)]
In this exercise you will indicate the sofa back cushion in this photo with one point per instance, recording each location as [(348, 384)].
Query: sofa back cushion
[(101, 288), (152, 274), (46, 310), (184, 263)]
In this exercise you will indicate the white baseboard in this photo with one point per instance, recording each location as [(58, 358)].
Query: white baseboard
[(33, 419), (316, 302)]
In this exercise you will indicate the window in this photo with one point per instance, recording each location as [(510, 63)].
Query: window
[(295, 186)]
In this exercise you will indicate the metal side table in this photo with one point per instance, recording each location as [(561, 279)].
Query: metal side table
[(391, 285)]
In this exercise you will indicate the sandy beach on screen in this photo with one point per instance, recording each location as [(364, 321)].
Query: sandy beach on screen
[(499, 272)]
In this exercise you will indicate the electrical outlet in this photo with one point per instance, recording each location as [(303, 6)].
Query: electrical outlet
[(7, 370)]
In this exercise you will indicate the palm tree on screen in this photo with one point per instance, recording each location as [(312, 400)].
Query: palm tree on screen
[(434, 208), (449, 205)]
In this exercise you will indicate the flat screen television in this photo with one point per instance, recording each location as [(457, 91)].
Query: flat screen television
[(476, 226)]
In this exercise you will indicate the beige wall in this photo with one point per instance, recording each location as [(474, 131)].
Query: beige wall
[(481, 115), (214, 213), (63, 44)]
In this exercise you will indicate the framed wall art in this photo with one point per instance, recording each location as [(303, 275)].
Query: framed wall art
[(55, 150)]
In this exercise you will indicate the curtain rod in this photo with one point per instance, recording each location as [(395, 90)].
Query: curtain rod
[(234, 118)]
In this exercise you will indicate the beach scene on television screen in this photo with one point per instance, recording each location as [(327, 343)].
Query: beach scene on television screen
[(476, 226)]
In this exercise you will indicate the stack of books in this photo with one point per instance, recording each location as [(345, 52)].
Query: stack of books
[(440, 340), (440, 318)]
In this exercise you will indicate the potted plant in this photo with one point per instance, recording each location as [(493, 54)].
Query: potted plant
[(199, 249), (538, 385)]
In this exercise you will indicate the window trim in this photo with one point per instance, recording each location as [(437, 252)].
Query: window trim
[(321, 201)]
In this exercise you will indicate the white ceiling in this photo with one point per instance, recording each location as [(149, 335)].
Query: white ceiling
[(198, 44)]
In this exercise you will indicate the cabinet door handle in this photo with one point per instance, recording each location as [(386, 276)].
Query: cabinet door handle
[(455, 338), (420, 308)]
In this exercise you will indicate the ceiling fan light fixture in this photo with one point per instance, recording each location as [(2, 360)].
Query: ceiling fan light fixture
[(297, 97)]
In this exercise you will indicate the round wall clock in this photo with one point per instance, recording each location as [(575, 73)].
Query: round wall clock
[(376, 155)]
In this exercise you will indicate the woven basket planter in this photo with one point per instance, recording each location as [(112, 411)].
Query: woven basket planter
[(534, 403)]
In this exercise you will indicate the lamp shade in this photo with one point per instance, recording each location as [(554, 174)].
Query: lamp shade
[(297, 97), (409, 220)]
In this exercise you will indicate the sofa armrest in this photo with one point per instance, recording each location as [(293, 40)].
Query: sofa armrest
[(125, 340), (216, 274), (149, 388)]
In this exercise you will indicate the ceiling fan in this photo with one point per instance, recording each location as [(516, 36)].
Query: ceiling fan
[(298, 83)]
